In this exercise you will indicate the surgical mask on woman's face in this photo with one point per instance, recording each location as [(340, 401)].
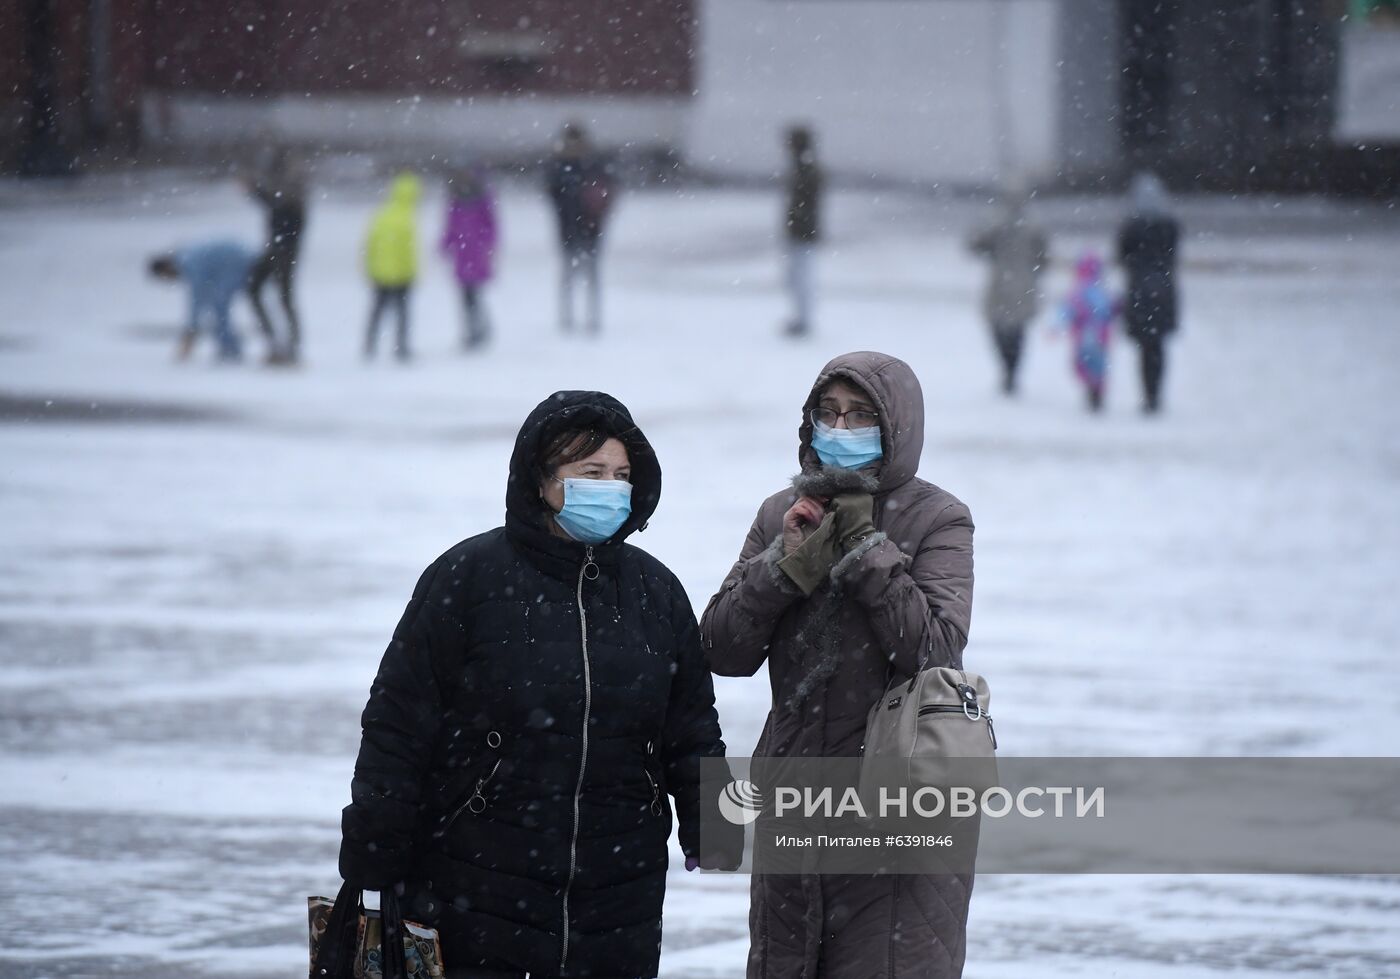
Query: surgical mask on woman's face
[(849, 448), (594, 509)]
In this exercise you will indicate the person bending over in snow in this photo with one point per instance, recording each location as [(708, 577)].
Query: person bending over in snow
[(215, 272)]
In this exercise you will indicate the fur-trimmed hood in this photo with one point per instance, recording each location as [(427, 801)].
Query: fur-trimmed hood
[(833, 481), (899, 399)]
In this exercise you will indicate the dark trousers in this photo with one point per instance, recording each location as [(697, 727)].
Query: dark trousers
[(278, 262), (1152, 353), (478, 327), (384, 297), (1009, 339)]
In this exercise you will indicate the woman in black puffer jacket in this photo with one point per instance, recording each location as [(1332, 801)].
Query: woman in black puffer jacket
[(543, 694)]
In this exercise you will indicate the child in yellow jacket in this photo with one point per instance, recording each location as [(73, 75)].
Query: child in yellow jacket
[(391, 260)]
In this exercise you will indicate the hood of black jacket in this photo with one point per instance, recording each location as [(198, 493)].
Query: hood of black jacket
[(579, 410)]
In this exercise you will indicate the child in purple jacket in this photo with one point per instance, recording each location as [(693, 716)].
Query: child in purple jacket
[(469, 240)]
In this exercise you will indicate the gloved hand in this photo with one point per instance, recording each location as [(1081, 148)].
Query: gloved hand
[(724, 848), (855, 518), (711, 841), (728, 857), (809, 565)]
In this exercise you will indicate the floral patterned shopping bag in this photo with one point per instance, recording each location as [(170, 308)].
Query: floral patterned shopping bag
[(347, 940)]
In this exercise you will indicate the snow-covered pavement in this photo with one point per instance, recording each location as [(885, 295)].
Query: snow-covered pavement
[(202, 565)]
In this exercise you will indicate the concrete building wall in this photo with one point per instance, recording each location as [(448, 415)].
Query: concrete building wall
[(960, 91), (1369, 100), (1089, 143)]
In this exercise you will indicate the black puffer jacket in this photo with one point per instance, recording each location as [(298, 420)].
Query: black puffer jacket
[(581, 189), (804, 201), (527, 723), (1147, 248)]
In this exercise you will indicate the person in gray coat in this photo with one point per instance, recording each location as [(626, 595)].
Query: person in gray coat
[(847, 579), (1016, 248)]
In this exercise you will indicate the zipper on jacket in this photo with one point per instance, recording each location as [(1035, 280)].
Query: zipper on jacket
[(583, 574), (951, 709)]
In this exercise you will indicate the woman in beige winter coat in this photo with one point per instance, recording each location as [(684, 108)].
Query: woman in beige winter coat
[(846, 579)]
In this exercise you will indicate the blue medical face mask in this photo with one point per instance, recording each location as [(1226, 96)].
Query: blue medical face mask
[(849, 448), (594, 509)]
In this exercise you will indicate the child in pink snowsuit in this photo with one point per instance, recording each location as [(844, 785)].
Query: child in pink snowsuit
[(1090, 312), (469, 240)]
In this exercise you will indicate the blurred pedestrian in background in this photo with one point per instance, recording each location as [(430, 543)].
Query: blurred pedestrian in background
[(1147, 243), (391, 261), (802, 225), (281, 188), (469, 241), (1016, 248), (215, 272), (582, 191), (1090, 312)]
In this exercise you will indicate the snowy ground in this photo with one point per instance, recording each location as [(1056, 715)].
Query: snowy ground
[(202, 565)]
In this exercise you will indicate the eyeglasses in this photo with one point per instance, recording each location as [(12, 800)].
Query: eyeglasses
[(856, 418), (623, 477)]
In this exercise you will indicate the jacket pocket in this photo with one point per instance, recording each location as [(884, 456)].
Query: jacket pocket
[(653, 782), (477, 782)]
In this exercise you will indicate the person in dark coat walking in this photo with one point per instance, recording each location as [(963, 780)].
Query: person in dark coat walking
[(282, 191), (582, 192), (1147, 244), (849, 578), (543, 695), (802, 225)]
